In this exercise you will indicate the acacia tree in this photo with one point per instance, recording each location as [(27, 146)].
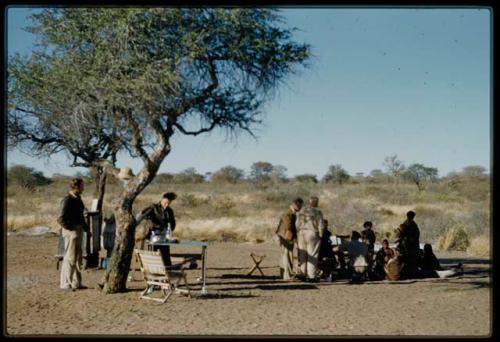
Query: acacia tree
[(261, 171), (394, 166), (56, 102), (156, 72), (420, 174), (228, 174), (336, 173)]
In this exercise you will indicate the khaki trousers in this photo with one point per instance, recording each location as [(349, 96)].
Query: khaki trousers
[(308, 243), (286, 265), (71, 275)]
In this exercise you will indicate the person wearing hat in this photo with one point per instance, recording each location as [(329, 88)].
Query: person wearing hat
[(408, 235), (158, 216), (125, 174), (72, 221)]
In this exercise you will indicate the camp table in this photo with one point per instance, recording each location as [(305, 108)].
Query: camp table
[(190, 243)]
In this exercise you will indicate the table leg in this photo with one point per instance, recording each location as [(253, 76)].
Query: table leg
[(204, 289)]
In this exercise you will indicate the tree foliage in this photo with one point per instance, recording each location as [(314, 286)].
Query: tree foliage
[(228, 174), (420, 174), (188, 176), (306, 178), (394, 166), (26, 177), (473, 171), (336, 174), (261, 171), (278, 174)]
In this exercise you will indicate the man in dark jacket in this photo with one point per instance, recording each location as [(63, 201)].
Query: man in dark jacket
[(159, 216), (287, 234), (72, 220), (408, 236)]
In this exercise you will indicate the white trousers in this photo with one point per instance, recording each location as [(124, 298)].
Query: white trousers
[(71, 275), (308, 244)]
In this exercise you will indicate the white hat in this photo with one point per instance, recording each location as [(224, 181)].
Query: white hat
[(125, 173)]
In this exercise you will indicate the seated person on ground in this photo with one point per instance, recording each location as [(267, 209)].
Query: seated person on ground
[(394, 265), (383, 255), (428, 260), (358, 254), (429, 266)]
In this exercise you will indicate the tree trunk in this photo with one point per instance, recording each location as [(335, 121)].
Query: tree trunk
[(115, 279), (100, 184)]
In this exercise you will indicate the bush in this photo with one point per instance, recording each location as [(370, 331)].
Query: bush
[(306, 178), (190, 200), (228, 174), (26, 177), (189, 175), (455, 239), (164, 178)]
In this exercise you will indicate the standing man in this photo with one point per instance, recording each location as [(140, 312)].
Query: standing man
[(408, 236), (287, 234), (158, 217), (310, 226), (73, 224)]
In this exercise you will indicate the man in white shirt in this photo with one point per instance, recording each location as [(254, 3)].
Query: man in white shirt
[(310, 227)]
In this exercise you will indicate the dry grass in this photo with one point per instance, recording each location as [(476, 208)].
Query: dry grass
[(480, 246), (244, 212), (456, 238)]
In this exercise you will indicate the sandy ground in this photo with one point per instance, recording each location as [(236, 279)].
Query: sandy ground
[(240, 305)]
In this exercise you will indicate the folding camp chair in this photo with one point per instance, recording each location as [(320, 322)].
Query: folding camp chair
[(257, 259), (159, 276)]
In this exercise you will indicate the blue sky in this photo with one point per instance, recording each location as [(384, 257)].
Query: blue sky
[(411, 82)]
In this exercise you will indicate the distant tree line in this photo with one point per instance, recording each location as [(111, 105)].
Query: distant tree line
[(263, 174)]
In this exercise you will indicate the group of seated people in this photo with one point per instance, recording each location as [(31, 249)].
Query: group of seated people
[(388, 263)]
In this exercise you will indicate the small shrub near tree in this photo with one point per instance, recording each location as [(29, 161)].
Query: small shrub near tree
[(26, 177), (456, 238)]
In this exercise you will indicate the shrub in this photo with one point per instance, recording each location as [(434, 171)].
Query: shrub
[(336, 174), (456, 238), (224, 205), (191, 200), (164, 178), (189, 175), (306, 178), (26, 177), (228, 174), (386, 212)]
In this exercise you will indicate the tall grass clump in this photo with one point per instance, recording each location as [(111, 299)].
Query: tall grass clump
[(456, 238)]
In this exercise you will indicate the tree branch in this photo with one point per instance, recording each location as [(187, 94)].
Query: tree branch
[(189, 103), (137, 139), (201, 130)]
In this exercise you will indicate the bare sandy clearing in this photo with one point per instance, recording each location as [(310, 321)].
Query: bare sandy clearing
[(237, 304)]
